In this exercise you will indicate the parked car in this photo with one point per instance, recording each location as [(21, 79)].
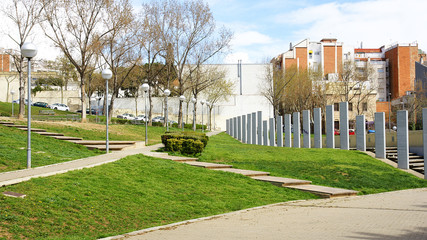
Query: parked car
[(336, 132), (40, 104), (60, 106), (140, 118), (158, 119), (127, 116), (93, 111), (371, 131), (17, 101), (351, 132)]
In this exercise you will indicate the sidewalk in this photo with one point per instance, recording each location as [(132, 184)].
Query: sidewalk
[(392, 215)]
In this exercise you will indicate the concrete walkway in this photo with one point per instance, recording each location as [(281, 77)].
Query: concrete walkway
[(392, 215)]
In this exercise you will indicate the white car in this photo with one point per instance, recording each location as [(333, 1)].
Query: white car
[(60, 106), (127, 116), (140, 118)]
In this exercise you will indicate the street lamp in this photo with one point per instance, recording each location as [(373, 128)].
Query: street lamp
[(167, 92), (194, 101), (106, 75), (29, 50), (12, 93), (145, 88), (213, 106), (202, 102), (389, 111), (182, 99)]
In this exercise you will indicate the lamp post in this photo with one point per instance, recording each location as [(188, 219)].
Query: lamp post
[(106, 75), (167, 92), (145, 88), (202, 102), (194, 101), (12, 93), (29, 50), (182, 99), (208, 122), (213, 106)]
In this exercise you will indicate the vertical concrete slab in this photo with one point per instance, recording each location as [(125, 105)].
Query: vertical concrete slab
[(254, 136), (344, 136), (272, 131), (279, 131), (259, 116), (231, 127), (360, 133), (330, 138), (239, 128), (380, 135), (296, 127), (265, 133), (288, 130), (317, 115), (235, 127), (425, 140), (402, 140), (227, 127), (244, 128), (306, 128), (249, 128)]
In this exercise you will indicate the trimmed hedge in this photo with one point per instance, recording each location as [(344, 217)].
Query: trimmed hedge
[(185, 142), (190, 126)]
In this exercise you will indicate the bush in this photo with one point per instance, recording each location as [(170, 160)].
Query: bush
[(157, 124), (185, 142), (189, 126)]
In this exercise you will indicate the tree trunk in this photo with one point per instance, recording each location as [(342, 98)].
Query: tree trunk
[(83, 99)]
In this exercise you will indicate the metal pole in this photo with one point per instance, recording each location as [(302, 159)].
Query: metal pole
[(107, 147), (166, 117), (194, 116), (146, 120), (214, 117), (12, 105), (202, 117), (29, 116), (389, 112)]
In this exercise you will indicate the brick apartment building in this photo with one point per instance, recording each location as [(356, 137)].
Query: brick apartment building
[(393, 66)]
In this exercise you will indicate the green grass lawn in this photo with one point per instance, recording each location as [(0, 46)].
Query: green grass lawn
[(133, 193), (44, 150), (327, 167)]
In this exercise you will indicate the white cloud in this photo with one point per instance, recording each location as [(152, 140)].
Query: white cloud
[(250, 38), (234, 57)]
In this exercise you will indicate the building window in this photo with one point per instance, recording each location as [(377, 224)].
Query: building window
[(365, 106), (350, 107), (310, 55), (336, 107), (380, 70)]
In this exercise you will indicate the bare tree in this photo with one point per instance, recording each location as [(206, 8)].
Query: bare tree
[(75, 27), (25, 15)]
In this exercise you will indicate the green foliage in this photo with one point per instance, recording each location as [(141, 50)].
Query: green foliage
[(157, 124), (189, 143), (190, 126)]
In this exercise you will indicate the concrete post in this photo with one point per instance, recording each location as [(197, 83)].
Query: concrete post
[(425, 140), (344, 136), (288, 131), (402, 140), (235, 126), (272, 135), (249, 129), (279, 130), (254, 137), (244, 128), (306, 128), (259, 115), (296, 127), (317, 127), (239, 128), (231, 127), (227, 127), (380, 135), (330, 137), (265, 133), (360, 133)]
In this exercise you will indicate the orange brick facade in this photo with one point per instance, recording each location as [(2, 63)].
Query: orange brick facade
[(332, 55), (4, 63), (301, 53), (383, 107)]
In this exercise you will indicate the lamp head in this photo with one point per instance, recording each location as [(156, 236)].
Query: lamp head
[(193, 100), (182, 98), (167, 92), (12, 92), (145, 87), (29, 50), (106, 74), (203, 102)]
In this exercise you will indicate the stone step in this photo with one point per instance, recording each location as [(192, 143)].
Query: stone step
[(104, 147), (37, 130), (208, 165), (50, 134), (326, 192), (102, 142), (180, 159), (249, 173), (411, 165), (6, 123), (17, 126), (421, 160), (280, 181), (410, 158), (66, 138)]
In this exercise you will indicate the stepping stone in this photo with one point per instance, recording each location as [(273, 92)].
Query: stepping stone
[(326, 192), (208, 165), (102, 142), (32, 129), (104, 147), (180, 159), (67, 138), (280, 181), (13, 125), (248, 173), (50, 134), (6, 123)]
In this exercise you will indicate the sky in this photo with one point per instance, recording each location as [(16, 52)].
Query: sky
[(264, 29)]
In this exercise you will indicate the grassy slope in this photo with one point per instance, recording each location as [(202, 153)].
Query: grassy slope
[(138, 192), (45, 150), (328, 167)]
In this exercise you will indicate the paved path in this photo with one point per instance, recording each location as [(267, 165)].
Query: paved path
[(392, 215)]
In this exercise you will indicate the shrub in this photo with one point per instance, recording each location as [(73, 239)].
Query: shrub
[(185, 142), (157, 124)]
